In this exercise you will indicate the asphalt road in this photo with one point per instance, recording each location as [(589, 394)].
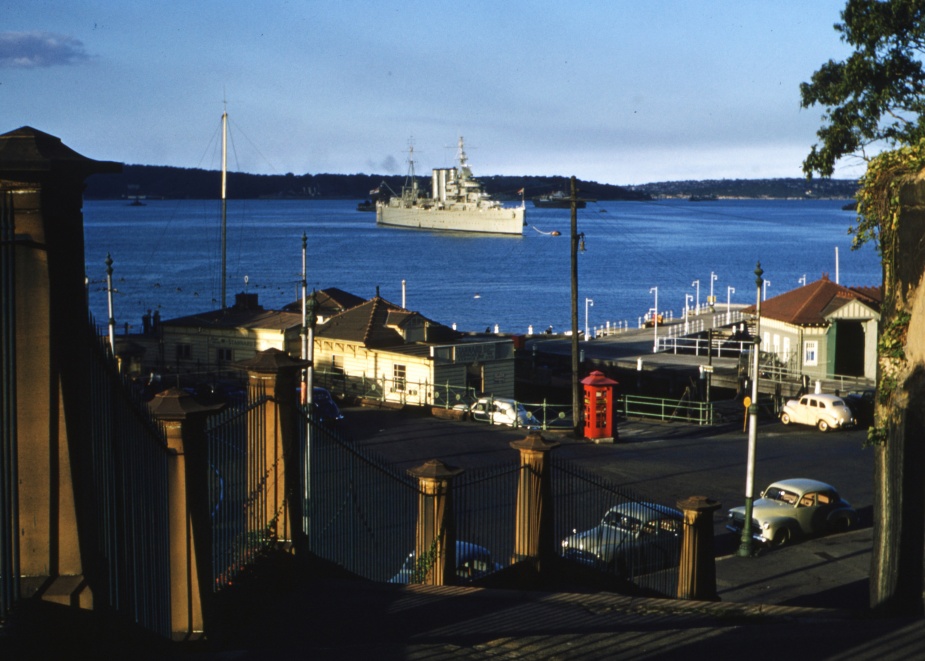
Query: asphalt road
[(663, 462)]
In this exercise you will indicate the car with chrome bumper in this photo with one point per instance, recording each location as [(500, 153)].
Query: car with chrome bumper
[(632, 538), (791, 509), (824, 412)]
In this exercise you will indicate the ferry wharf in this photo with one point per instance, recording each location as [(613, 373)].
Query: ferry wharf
[(710, 363)]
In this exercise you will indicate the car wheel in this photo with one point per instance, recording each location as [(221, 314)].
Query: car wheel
[(842, 524), (823, 425), (781, 537), (785, 418)]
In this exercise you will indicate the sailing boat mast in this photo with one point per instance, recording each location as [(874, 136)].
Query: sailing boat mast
[(224, 197)]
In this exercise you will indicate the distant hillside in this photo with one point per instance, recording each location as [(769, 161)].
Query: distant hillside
[(153, 181), (754, 188)]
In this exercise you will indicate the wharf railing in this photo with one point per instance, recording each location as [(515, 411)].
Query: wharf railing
[(667, 410)]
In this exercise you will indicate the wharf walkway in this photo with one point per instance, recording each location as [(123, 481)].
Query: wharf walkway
[(634, 351)]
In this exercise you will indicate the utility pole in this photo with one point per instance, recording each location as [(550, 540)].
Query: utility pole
[(745, 546), (576, 385)]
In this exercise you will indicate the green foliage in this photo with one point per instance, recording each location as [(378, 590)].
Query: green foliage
[(893, 338), (877, 95)]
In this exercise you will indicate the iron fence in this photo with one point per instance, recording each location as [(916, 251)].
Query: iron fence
[(128, 459), (238, 484), (358, 511), (485, 508), (606, 528)]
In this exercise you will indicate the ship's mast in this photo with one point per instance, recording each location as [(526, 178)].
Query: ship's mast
[(224, 198)]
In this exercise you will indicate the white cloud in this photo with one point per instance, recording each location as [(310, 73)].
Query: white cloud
[(29, 50)]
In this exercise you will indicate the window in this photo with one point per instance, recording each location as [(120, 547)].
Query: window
[(337, 364), (811, 353), (398, 376), (223, 355), (184, 351)]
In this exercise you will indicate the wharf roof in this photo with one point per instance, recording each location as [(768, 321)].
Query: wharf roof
[(379, 323), (814, 303)]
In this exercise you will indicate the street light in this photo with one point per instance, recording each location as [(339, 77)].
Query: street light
[(802, 280), (713, 278), (655, 320), (688, 299), (696, 283), (588, 302), (745, 548), (729, 292), (767, 283)]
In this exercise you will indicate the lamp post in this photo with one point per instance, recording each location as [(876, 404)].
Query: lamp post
[(588, 302), (655, 320), (729, 292), (802, 280), (767, 283), (745, 547), (688, 299), (713, 278), (696, 283)]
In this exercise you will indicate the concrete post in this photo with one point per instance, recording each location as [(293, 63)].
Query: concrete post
[(435, 539), (533, 537), (697, 573), (277, 467), (42, 182), (188, 518)]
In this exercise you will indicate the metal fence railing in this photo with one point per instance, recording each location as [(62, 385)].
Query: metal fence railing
[(359, 512), (667, 410), (128, 456), (485, 506), (238, 489), (606, 528)]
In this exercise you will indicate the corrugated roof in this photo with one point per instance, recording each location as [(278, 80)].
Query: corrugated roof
[(812, 304)]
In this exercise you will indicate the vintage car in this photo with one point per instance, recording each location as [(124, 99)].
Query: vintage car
[(472, 562), (502, 411), (822, 411), (632, 539), (795, 508)]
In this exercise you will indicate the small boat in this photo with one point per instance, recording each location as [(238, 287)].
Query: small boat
[(366, 205), (557, 200)]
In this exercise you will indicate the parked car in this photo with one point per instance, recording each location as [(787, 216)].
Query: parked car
[(822, 411), (861, 404), (325, 405), (472, 562), (795, 508), (502, 411), (633, 538)]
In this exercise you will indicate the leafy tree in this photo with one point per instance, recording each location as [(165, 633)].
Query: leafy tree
[(877, 95)]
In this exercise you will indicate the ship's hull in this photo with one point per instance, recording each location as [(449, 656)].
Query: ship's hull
[(484, 221)]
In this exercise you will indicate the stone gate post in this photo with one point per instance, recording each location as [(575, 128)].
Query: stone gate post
[(45, 363), (533, 537), (274, 374), (697, 573), (188, 502), (435, 539)]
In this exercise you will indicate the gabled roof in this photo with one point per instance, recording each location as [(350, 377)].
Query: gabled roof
[(379, 323), (331, 301), (812, 304), (245, 313)]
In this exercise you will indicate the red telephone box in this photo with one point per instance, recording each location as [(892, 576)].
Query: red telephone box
[(598, 412)]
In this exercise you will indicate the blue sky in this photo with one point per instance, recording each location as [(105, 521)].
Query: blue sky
[(619, 91)]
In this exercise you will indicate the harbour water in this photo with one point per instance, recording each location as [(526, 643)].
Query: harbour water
[(167, 257)]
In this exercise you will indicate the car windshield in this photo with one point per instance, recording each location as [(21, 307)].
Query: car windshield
[(622, 521), (776, 493)]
